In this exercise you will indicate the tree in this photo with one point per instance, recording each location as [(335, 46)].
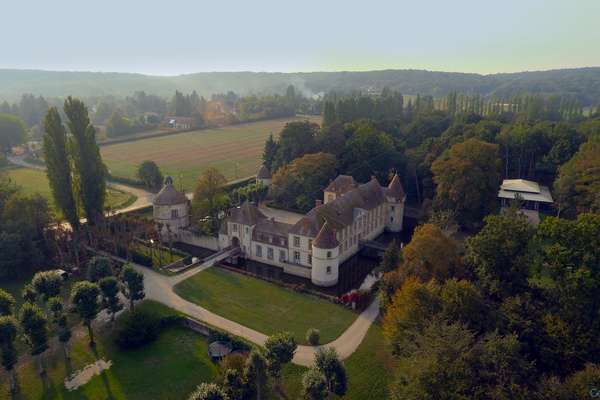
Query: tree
[(498, 254), (7, 303), (58, 168), (255, 372), (314, 385), (134, 285), (34, 325), (295, 140), (29, 293), (149, 173), (431, 255), (299, 183), (88, 167), (47, 284), (329, 117), (270, 152), (209, 196), (234, 385), (109, 286), (84, 297), (370, 152), (467, 180), (329, 365), (280, 349), (391, 258), (578, 183), (98, 267), (60, 320), (12, 132), (118, 125), (208, 391), (8, 350), (313, 336)]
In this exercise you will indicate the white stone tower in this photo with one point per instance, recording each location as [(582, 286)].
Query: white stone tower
[(325, 257), (395, 198), (171, 208), (264, 175)]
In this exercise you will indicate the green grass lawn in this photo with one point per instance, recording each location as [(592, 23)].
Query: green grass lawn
[(264, 306), (369, 370), (35, 181), (169, 368), (235, 150)]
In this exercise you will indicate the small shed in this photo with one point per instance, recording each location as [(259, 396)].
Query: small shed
[(217, 350)]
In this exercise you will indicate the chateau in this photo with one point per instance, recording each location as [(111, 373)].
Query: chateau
[(319, 242)]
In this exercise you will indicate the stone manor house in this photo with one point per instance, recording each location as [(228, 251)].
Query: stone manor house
[(318, 243)]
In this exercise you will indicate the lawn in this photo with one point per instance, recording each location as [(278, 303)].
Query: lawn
[(264, 306), (35, 181), (369, 370), (235, 150), (169, 368)]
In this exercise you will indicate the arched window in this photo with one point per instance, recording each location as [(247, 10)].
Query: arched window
[(328, 270)]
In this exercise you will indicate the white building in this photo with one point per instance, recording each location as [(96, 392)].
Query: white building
[(264, 176), (171, 210), (532, 195), (329, 234)]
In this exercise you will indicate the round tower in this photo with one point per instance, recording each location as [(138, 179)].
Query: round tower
[(264, 175), (171, 209), (395, 198), (325, 257)]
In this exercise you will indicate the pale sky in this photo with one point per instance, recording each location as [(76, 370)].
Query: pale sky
[(176, 36)]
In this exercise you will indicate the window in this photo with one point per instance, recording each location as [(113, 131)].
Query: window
[(309, 244), (270, 253), (247, 230), (328, 270), (281, 256), (328, 254), (391, 219), (258, 251), (296, 241), (310, 259), (392, 208), (234, 227), (297, 257), (174, 214)]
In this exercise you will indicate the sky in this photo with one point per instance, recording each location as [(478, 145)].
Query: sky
[(176, 36)]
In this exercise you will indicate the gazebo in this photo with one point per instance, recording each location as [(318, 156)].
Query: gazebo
[(217, 350)]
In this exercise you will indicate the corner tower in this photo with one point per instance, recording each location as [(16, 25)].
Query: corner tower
[(325, 257), (395, 198)]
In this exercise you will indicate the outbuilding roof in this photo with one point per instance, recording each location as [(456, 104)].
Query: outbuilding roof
[(246, 214), (263, 172), (168, 195), (526, 190), (341, 184), (395, 189)]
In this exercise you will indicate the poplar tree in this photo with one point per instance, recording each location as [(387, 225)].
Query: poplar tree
[(89, 169), (58, 167)]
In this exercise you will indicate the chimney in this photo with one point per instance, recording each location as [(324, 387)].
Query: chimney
[(318, 202)]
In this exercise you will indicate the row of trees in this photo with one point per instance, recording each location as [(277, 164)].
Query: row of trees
[(514, 317), (44, 310)]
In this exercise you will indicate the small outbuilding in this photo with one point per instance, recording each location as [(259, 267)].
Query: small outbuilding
[(171, 209), (534, 197), (217, 350)]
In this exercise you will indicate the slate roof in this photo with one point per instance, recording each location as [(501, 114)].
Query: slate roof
[(341, 184), (395, 189), (263, 172), (340, 212), (168, 195), (326, 238), (246, 214)]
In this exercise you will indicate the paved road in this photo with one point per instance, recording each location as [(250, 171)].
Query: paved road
[(144, 198), (160, 288)]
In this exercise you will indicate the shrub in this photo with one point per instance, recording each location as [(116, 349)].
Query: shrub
[(313, 336), (98, 268), (137, 328)]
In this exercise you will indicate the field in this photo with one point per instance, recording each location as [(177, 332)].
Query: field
[(263, 306), (168, 368), (235, 150), (35, 181)]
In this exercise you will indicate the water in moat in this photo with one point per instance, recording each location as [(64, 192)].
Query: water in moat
[(352, 272)]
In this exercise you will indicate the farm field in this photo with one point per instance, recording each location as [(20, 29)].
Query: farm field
[(35, 181), (235, 150), (264, 306)]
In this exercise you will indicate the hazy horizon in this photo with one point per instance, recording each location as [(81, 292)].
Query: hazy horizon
[(267, 36)]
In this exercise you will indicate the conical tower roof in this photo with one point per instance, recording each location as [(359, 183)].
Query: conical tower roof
[(326, 238), (395, 189)]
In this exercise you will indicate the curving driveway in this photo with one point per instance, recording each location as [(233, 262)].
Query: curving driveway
[(160, 288)]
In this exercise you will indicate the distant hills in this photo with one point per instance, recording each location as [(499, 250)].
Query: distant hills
[(582, 83)]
